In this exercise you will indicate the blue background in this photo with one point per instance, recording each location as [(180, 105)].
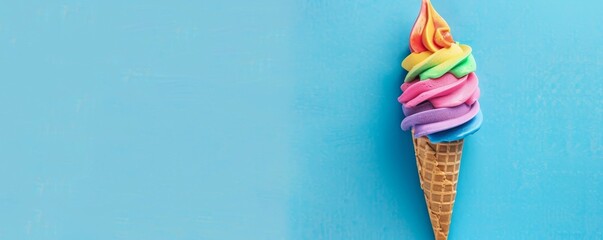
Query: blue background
[(275, 119)]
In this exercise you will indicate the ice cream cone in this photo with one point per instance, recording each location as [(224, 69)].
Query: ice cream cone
[(438, 165), (440, 103)]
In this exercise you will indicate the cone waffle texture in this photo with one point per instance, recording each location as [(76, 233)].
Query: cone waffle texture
[(438, 165)]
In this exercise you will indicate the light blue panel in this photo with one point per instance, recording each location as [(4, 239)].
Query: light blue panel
[(143, 120), (277, 119)]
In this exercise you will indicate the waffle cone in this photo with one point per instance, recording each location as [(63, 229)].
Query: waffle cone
[(438, 165)]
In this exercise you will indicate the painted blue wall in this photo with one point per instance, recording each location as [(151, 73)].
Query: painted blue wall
[(278, 119)]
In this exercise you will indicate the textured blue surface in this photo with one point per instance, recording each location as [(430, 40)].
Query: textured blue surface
[(278, 119)]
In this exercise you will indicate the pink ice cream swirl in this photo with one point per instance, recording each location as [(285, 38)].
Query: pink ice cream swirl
[(439, 107)]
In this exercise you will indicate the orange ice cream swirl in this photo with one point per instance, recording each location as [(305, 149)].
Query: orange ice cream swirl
[(430, 32)]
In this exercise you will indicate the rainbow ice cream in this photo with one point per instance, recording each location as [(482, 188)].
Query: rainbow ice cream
[(439, 99), (440, 91)]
